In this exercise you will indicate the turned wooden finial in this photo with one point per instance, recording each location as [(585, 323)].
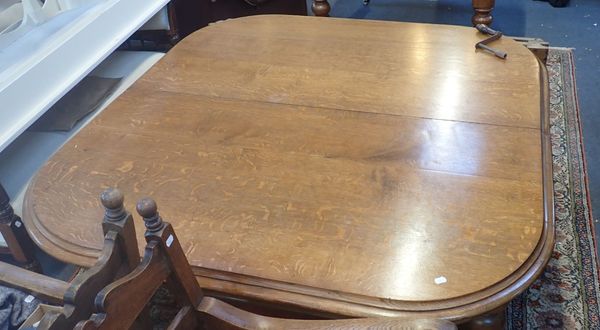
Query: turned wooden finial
[(112, 199), (147, 208)]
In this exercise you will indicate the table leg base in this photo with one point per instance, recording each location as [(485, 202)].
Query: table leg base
[(481, 18), (320, 8), (483, 12)]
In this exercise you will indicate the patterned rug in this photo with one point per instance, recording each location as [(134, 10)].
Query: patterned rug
[(567, 295)]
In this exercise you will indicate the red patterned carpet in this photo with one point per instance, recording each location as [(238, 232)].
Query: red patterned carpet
[(567, 295)]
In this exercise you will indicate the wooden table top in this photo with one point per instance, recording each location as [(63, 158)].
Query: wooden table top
[(351, 166)]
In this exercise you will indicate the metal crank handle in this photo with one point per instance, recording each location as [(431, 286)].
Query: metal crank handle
[(486, 29), (496, 52), (494, 35)]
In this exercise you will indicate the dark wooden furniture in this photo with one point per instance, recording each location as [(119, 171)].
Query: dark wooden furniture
[(191, 15), (19, 244), (187, 16), (558, 3), (295, 185), (483, 10)]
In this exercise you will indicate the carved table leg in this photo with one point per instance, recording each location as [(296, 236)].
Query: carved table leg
[(19, 243), (483, 12), (320, 8), (494, 320)]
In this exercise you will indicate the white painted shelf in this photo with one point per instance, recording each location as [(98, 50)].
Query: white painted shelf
[(29, 151), (54, 47)]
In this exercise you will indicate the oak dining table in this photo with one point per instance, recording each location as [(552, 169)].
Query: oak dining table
[(326, 167)]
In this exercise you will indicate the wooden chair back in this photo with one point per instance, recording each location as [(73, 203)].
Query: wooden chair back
[(119, 257), (115, 292), (120, 304)]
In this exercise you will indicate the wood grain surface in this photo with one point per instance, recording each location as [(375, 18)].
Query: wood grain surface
[(358, 167)]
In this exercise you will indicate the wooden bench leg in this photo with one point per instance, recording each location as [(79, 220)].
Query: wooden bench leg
[(320, 8), (483, 12)]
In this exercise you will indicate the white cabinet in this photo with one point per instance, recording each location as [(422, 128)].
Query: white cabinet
[(53, 47)]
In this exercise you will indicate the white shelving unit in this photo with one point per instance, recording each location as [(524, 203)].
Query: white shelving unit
[(52, 49), (46, 52)]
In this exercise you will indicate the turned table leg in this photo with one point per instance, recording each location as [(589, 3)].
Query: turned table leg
[(320, 8), (15, 235), (483, 11)]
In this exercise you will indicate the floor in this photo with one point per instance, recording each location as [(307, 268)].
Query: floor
[(576, 26)]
